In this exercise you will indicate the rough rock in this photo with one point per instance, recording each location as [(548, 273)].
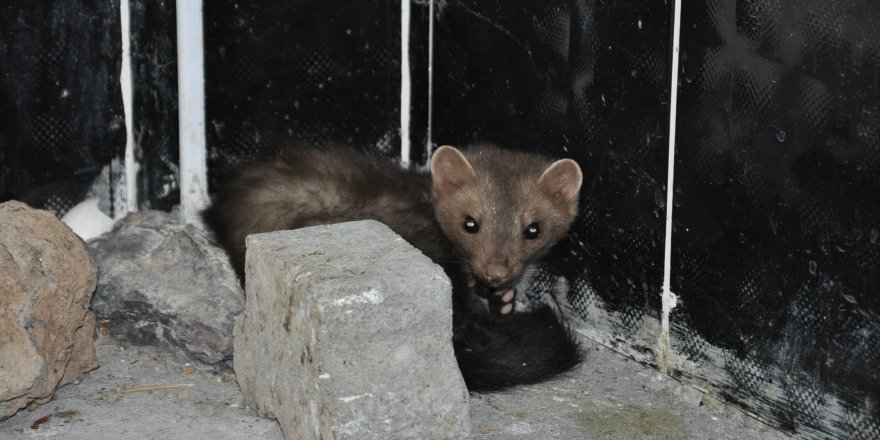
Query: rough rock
[(46, 282), (347, 333), (161, 282)]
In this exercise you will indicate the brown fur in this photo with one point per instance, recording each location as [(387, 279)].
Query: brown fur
[(306, 186), (505, 191)]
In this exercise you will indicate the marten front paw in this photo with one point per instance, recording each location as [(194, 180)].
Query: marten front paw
[(496, 302), (501, 301)]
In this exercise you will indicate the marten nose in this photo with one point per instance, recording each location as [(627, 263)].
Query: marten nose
[(496, 273)]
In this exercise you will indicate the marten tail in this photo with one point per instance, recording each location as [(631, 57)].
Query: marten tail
[(495, 352)]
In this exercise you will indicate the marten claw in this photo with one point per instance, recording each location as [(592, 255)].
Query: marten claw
[(501, 301), (495, 302)]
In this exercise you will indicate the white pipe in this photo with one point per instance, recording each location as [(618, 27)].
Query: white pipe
[(191, 98), (430, 142), (669, 299), (130, 204), (405, 83)]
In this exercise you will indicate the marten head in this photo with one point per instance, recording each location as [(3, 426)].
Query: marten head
[(503, 209)]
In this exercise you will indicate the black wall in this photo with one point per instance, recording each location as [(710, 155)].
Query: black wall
[(154, 74), (776, 253), (313, 72), (60, 101)]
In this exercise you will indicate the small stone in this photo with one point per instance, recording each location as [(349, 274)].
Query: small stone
[(164, 283)]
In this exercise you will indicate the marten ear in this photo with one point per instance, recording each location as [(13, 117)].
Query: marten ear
[(450, 169), (562, 179)]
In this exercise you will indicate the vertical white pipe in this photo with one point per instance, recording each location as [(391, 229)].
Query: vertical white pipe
[(429, 147), (191, 97), (669, 299), (405, 83), (130, 204)]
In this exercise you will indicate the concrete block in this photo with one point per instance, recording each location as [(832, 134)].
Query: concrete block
[(347, 333)]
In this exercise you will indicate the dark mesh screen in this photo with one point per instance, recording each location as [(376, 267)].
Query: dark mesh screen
[(318, 72), (60, 100), (777, 259), (776, 255)]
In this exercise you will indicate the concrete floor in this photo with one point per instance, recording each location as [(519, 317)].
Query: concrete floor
[(609, 397)]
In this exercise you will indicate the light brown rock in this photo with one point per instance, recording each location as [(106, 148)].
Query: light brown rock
[(47, 279)]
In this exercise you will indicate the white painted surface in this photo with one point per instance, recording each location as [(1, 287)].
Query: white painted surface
[(429, 143), (130, 201), (669, 299), (371, 296), (191, 97), (86, 220), (405, 82)]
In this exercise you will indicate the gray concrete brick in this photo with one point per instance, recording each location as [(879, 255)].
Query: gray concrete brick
[(346, 333)]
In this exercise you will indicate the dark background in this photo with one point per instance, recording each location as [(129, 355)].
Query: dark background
[(61, 118), (776, 254), (317, 73), (154, 75), (776, 260)]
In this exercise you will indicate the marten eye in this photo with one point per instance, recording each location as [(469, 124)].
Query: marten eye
[(470, 225), (532, 231)]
